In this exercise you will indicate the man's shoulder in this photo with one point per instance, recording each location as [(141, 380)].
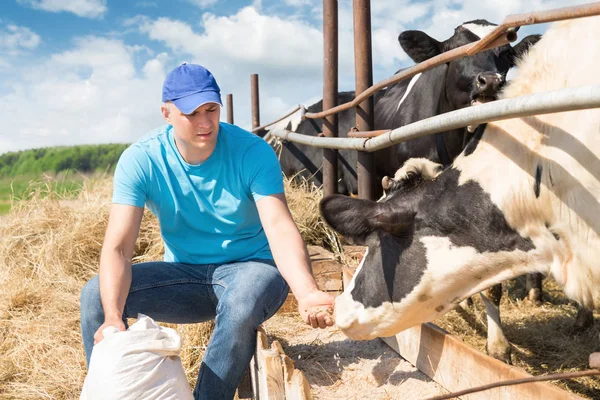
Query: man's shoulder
[(154, 137), (148, 147), (244, 140)]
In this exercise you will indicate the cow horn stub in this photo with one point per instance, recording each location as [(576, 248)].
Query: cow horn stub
[(386, 182)]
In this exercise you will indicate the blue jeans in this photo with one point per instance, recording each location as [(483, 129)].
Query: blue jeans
[(239, 296)]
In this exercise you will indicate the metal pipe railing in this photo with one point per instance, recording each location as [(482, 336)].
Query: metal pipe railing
[(535, 104), (497, 37), (539, 17)]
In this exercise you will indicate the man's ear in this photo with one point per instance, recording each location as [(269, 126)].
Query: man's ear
[(166, 112)]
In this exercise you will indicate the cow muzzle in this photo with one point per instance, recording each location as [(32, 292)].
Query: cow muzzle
[(487, 86)]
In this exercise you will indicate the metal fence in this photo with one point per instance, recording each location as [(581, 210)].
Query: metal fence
[(368, 141)]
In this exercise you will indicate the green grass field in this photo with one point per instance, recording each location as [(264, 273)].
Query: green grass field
[(22, 187)]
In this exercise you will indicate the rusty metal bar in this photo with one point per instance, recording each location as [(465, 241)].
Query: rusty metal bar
[(330, 91), (367, 134), (229, 102), (561, 100), (407, 73), (254, 130), (255, 103), (539, 17), (363, 65), (485, 43), (520, 381)]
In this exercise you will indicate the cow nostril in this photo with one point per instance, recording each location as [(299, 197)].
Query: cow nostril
[(481, 80)]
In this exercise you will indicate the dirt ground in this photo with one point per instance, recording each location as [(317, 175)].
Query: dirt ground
[(340, 368)]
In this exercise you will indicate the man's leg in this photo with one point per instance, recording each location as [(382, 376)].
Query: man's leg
[(166, 292), (248, 294)]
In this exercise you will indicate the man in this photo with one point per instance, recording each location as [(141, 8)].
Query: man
[(230, 241)]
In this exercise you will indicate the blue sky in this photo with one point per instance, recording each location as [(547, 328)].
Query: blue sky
[(90, 71)]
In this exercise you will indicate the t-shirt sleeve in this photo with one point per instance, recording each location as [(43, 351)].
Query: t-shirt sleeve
[(130, 180), (262, 171)]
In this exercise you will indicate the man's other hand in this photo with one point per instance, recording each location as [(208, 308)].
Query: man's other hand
[(116, 322)]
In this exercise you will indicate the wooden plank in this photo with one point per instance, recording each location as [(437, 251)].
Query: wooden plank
[(296, 384), (298, 388), (456, 366), (270, 369), (355, 251), (347, 274)]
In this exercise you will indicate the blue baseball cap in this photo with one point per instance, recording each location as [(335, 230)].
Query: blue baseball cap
[(189, 86)]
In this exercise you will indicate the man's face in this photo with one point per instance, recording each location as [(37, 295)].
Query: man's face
[(195, 133)]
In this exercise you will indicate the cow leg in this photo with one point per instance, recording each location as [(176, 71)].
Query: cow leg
[(584, 319), (497, 344), (534, 288)]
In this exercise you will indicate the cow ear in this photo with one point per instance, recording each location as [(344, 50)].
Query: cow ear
[(419, 46), (393, 219), (356, 218), (524, 45)]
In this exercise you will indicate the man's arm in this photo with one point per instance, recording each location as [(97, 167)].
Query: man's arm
[(292, 259), (115, 263)]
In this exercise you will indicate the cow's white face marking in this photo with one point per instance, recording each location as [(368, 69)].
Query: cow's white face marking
[(480, 30), (294, 120), (452, 273), (408, 89)]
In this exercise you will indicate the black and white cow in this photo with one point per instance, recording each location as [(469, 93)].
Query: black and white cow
[(447, 87), (523, 196)]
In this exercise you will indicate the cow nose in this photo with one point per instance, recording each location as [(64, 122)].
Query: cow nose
[(488, 83)]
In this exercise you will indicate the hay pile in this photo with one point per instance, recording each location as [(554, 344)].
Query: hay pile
[(49, 248), (543, 338)]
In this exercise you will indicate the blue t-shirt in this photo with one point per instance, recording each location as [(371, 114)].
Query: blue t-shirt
[(207, 212)]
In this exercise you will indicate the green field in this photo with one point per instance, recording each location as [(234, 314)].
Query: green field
[(21, 188)]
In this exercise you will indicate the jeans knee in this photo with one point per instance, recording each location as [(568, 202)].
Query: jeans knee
[(89, 299)]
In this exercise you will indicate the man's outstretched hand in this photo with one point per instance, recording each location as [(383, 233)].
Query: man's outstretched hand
[(316, 309)]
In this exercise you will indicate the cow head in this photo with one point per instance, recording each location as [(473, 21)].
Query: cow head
[(478, 77), (428, 248)]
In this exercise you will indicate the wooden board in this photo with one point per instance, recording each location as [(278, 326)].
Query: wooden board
[(456, 366)]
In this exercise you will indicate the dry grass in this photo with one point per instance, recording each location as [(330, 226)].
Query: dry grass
[(49, 248), (543, 338), (303, 199)]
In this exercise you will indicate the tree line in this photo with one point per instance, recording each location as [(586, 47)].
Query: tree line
[(85, 158)]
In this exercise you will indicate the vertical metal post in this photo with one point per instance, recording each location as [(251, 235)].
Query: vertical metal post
[(364, 79), (255, 108), (330, 92), (229, 103)]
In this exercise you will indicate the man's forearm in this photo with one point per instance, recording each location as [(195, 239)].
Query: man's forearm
[(292, 259), (115, 281)]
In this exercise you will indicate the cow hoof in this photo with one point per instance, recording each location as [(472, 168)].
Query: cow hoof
[(535, 297), (502, 353), (584, 320)]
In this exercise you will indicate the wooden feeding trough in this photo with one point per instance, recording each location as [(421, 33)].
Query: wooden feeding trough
[(272, 374)]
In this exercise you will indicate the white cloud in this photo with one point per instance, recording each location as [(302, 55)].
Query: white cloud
[(447, 16), (18, 37), (298, 3), (203, 3), (90, 94), (82, 8), (97, 91)]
